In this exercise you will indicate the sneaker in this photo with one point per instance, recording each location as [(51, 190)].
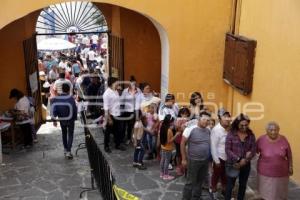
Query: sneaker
[(223, 193), (121, 148), (214, 195), (149, 157), (134, 164), (69, 155), (161, 175), (28, 146), (127, 142), (168, 177), (107, 149), (179, 171), (65, 152), (35, 141), (142, 167), (170, 167), (205, 186)]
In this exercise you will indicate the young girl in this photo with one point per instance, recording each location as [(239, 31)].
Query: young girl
[(167, 146), (138, 142), (183, 117), (152, 129), (168, 107)]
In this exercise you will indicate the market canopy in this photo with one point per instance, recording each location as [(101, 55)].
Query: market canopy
[(53, 44)]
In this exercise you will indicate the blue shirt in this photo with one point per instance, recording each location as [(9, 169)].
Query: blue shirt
[(75, 68), (64, 107)]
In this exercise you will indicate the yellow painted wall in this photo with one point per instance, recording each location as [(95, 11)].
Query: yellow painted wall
[(12, 68), (275, 25)]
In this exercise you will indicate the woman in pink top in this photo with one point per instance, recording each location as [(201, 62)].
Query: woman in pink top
[(274, 165)]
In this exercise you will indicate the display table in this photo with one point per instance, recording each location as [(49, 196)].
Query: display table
[(10, 120), (4, 126)]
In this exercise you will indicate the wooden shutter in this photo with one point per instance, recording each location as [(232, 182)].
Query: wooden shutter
[(239, 62)]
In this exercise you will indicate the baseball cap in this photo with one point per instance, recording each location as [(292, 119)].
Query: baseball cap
[(222, 112), (169, 97)]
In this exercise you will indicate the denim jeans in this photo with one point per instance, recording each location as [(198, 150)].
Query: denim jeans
[(243, 178), (164, 161), (196, 173), (139, 150), (67, 129)]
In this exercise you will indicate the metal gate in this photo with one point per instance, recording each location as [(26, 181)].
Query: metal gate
[(116, 57), (32, 76)]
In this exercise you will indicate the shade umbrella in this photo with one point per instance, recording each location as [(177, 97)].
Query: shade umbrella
[(53, 44)]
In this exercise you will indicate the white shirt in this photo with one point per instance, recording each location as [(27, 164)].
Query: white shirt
[(163, 111), (91, 55), (58, 85), (63, 65), (85, 41), (144, 101), (52, 75), (218, 138), (95, 39), (23, 105), (111, 102), (131, 102), (85, 51)]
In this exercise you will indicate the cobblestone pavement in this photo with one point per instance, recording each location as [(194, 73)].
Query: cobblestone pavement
[(43, 173)]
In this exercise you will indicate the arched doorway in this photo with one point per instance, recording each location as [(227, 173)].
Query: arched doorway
[(145, 47)]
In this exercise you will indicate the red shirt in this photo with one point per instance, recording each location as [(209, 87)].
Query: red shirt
[(275, 157)]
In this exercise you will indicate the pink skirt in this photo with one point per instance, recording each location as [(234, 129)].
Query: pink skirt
[(272, 188)]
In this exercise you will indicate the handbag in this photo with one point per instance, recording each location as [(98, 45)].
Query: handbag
[(231, 170)]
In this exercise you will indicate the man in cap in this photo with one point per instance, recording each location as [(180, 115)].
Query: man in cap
[(218, 138)]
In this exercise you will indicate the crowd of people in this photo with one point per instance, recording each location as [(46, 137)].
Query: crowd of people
[(186, 138)]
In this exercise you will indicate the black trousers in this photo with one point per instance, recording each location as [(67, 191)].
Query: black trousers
[(26, 130), (116, 129), (128, 123), (243, 179)]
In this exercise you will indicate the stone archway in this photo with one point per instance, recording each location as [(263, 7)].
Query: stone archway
[(12, 61)]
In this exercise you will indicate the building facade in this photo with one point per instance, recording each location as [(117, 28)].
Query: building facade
[(178, 46)]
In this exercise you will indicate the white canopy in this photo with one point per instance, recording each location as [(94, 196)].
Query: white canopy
[(52, 44)]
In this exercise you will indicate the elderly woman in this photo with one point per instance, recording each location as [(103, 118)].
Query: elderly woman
[(274, 165), (240, 148)]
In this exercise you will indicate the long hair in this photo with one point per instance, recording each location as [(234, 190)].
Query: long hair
[(164, 129), (235, 124), (193, 99), (184, 110)]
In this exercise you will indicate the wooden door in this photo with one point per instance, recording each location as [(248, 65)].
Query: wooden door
[(32, 76), (116, 57)]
